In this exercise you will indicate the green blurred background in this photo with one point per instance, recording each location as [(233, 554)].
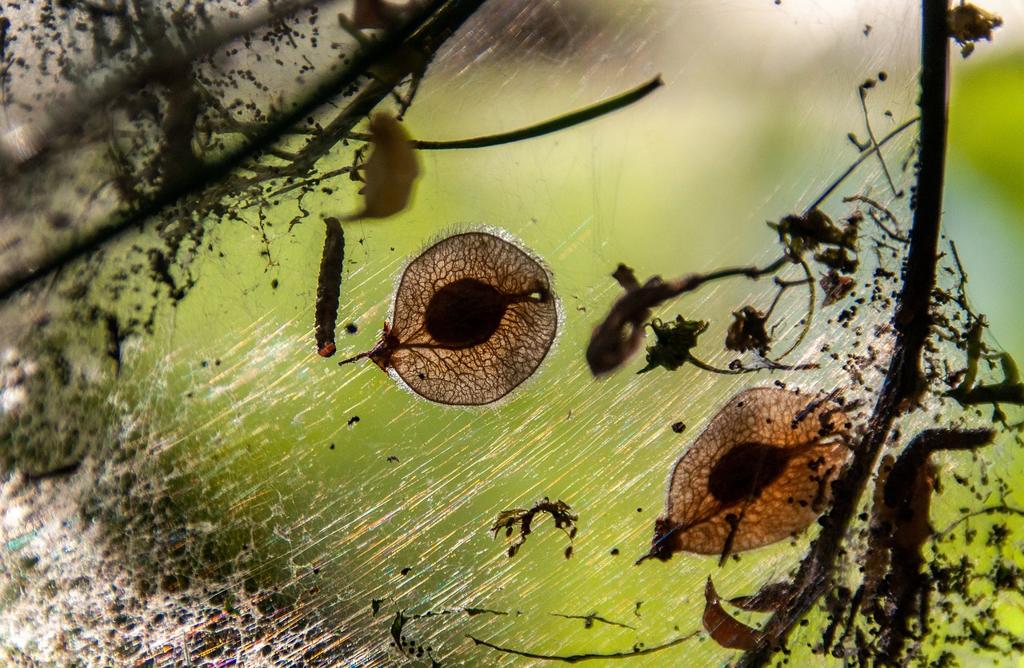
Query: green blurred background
[(256, 434)]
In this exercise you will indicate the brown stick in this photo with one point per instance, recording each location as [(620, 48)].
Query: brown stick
[(902, 384)]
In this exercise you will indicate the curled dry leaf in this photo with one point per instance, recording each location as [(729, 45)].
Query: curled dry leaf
[(473, 317), (723, 627), (621, 334), (759, 473), (390, 171), (328, 289)]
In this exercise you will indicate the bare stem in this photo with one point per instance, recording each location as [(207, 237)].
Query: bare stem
[(577, 658), (547, 127)]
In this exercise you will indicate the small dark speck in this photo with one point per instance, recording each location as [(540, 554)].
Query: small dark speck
[(678, 427), (216, 362), (204, 364), (362, 241), (331, 447), (639, 510), (274, 283), (188, 394), (406, 570), (392, 459), (60, 221), (614, 552), (352, 420), (882, 76), (351, 328), (392, 248)]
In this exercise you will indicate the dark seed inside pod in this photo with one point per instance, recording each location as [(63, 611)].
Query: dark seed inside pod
[(745, 471), (465, 313)]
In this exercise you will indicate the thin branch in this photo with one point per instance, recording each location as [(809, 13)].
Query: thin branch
[(547, 127), (588, 620), (1002, 508), (902, 382), (856, 163), (577, 658), (811, 298), (863, 92)]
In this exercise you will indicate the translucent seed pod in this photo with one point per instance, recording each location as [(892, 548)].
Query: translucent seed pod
[(759, 473), (473, 317)]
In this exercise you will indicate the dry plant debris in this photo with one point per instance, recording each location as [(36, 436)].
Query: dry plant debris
[(519, 521), (759, 473)]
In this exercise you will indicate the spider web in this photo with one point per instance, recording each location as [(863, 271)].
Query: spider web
[(222, 494)]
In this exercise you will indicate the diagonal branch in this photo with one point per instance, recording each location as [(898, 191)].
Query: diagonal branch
[(424, 34), (902, 384)]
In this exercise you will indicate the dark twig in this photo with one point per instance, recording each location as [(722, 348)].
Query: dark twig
[(1002, 509), (808, 317), (588, 620), (590, 656), (902, 383), (547, 127), (424, 34)]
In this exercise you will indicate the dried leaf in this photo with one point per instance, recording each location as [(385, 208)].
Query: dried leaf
[(723, 627), (620, 335), (473, 317), (390, 171), (759, 473), (807, 232)]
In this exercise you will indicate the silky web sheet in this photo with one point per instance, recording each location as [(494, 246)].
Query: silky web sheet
[(187, 482)]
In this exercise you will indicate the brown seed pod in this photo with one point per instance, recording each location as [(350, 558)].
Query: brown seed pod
[(759, 473), (473, 317), (328, 289)]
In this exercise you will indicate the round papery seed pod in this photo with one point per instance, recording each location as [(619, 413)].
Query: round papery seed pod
[(760, 472), (473, 317)]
